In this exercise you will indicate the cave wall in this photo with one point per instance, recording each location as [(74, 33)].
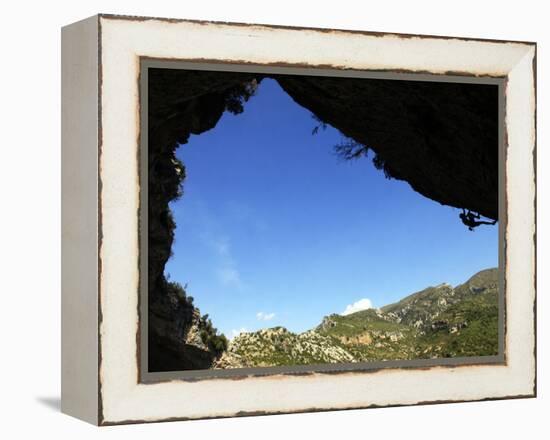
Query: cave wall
[(181, 103)]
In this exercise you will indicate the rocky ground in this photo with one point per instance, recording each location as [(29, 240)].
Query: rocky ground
[(440, 321)]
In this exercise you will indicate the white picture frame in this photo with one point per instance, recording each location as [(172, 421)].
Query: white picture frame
[(101, 59)]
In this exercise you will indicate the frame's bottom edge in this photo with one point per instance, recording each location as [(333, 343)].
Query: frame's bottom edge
[(101, 423)]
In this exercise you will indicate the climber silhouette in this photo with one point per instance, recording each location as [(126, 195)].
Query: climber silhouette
[(471, 219)]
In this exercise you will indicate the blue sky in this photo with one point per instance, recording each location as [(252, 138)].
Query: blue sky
[(274, 229)]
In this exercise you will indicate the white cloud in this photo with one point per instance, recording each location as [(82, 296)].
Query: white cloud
[(222, 247), (362, 304), (229, 276), (261, 316), (235, 333), (227, 273)]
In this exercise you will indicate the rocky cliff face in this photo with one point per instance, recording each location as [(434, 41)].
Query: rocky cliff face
[(441, 321), (278, 346), (177, 341)]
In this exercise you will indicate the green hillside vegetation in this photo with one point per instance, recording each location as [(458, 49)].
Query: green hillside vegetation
[(436, 322), (470, 329), (278, 346)]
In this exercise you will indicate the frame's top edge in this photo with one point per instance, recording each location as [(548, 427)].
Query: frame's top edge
[(316, 70), (316, 29), (91, 18)]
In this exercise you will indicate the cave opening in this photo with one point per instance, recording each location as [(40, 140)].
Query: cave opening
[(414, 129)]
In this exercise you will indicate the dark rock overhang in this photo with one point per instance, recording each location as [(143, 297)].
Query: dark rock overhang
[(442, 138)]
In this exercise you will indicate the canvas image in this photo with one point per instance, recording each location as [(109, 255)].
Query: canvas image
[(295, 220)]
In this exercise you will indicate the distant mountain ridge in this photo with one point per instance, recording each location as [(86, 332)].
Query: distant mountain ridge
[(440, 321)]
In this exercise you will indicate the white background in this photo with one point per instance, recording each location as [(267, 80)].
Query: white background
[(30, 217)]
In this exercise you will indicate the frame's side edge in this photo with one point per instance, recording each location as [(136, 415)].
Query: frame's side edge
[(535, 316), (79, 261), (533, 94), (522, 189)]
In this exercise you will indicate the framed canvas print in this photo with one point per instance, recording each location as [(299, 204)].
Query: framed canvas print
[(262, 220)]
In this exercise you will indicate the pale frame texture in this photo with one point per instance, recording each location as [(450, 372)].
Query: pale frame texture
[(80, 221), (122, 42)]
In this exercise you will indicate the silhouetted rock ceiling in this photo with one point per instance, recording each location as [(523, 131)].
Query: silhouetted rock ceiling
[(442, 138)]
